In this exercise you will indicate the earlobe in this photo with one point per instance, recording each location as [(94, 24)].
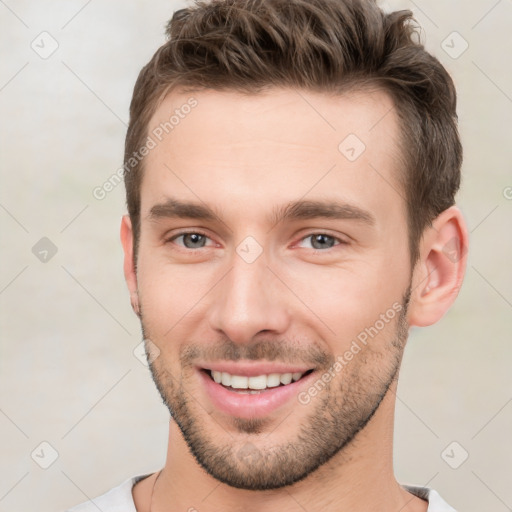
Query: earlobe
[(439, 273), (130, 274)]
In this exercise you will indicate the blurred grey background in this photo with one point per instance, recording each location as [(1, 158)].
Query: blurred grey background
[(69, 376)]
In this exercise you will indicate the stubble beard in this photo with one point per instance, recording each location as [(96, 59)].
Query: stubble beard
[(339, 412)]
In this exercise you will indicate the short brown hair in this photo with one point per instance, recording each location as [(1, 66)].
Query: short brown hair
[(317, 45)]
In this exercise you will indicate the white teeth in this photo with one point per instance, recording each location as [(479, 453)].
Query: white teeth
[(239, 382), (286, 378), (226, 379), (257, 383), (273, 380)]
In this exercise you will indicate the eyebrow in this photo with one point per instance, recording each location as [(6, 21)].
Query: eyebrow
[(307, 210), (295, 210), (174, 208)]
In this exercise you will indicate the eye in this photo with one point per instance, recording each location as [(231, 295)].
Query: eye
[(321, 241), (190, 239)]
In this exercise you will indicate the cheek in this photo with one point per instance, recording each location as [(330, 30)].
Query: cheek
[(342, 305), (172, 297), (337, 303)]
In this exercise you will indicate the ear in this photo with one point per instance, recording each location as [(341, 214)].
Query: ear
[(130, 273), (439, 272)]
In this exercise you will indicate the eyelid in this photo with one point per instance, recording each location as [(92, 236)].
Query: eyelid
[(338, 238), (171, 238)]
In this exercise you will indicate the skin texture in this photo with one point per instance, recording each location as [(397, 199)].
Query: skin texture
[(244, 156)]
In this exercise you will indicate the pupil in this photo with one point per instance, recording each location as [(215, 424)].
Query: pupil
[(322, 239), (194, 238)]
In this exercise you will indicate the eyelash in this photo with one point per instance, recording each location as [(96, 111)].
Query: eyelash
[(202, 233), (182, 233)]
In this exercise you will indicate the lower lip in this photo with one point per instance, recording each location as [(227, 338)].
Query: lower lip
[(246, 405)]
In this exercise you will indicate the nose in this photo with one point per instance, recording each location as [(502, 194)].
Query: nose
[(249, 300)]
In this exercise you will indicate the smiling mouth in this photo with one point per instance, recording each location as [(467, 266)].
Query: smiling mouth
[(255, 384)]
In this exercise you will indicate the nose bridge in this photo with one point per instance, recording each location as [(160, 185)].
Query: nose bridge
[(247, 300)]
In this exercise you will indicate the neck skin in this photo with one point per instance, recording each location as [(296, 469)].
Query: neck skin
[(359, 479)]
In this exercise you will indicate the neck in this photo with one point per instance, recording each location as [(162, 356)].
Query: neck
[(357, 479)]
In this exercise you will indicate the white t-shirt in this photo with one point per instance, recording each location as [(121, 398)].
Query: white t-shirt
[(120, 499)]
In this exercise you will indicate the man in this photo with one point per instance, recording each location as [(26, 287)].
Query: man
[(290, 169)]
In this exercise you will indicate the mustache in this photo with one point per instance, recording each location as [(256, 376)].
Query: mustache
[(268, 350)]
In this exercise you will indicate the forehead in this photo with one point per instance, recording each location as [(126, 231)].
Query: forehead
[(273, 147)]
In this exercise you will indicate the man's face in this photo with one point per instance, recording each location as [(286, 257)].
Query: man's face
[(261, 288)]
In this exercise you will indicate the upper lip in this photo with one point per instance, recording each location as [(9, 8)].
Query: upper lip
[(253, 369)]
